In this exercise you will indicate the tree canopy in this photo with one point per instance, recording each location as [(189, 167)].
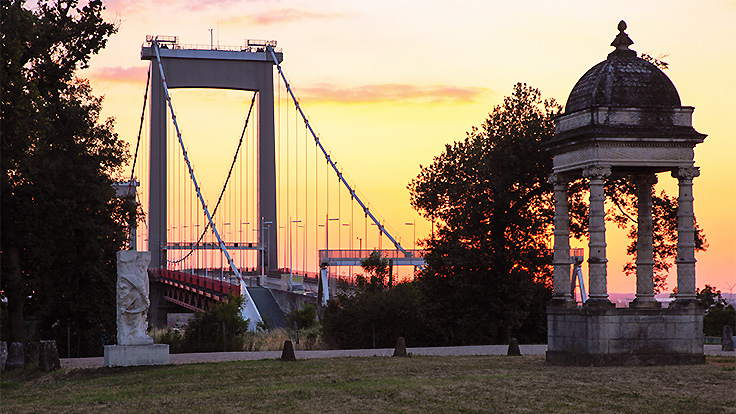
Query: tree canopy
[(489, 262), (61, 221), (488, 194)]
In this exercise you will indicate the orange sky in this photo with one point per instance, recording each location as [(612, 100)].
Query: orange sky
[(388, 83)]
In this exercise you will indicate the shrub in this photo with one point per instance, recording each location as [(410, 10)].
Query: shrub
[(304, 317), (218, 329), (717, 317), (376, 316)]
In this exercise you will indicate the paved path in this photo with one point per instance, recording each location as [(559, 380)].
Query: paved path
[(97, 362)]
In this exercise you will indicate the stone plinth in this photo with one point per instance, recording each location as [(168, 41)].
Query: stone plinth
[(3, 355), (16, 357), (132, 355), (48, 356), (624, 336)]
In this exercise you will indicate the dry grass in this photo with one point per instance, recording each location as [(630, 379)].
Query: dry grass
[(411, 385), (273, 340)]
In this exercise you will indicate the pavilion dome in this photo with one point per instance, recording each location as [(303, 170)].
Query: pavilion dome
[(623, 80)]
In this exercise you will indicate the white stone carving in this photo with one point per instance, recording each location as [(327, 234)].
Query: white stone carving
[(132, 297)]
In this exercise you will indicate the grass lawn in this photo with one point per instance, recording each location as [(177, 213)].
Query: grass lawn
[(379, 384)]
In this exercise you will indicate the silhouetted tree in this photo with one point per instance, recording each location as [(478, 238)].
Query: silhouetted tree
[(493, 207), (61, 222), (376, 270), (718, 313)]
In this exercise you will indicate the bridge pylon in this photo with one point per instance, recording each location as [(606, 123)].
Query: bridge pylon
[(248, 68)]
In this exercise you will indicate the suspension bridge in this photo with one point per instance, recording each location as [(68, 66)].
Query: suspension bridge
[(285, 218)]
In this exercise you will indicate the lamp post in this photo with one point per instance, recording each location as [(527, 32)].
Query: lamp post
[(242, 254), (350, 268), (264, 225), (291, 254), (414, 240), (222, 267), (326, 277), (304, 249)]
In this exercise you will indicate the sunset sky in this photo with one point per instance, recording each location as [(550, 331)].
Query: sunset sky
[(388, 83)]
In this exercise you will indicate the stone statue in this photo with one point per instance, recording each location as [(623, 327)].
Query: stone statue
[(133, 302)]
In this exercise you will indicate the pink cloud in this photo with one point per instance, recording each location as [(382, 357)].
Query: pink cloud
[(119, 74), (182, 5), (393, 93), (270, 17)]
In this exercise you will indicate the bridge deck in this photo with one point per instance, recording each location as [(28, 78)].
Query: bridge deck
[(353, 257)]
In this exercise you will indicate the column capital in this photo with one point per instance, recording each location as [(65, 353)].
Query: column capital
[(645, 180), (599, 172), (557, 179), (687, 173)]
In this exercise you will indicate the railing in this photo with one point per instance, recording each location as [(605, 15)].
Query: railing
[(207, 284), (365, 253), (251, 45), (212, 246)]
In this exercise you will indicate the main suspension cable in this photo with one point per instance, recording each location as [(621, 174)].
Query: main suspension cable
[(340, 177)]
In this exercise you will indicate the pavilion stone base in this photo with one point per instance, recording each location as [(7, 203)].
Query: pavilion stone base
[(132, 355), (603, 336)]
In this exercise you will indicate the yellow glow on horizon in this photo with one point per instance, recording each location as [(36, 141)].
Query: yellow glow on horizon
[(428, 47)]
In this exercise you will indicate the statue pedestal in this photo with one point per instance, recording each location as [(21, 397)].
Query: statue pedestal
[(132, 355)]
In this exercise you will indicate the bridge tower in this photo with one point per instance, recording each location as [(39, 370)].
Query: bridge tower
[(249, 68)]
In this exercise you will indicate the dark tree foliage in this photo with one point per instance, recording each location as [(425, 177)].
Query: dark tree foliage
[(304, 318), (376, 270), (622, 192), (376, 317), (718, 312), (217, 329), (709, 296), (61, 222), (488, 261)]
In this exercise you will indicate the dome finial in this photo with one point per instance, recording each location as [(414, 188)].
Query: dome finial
[(622, 42)]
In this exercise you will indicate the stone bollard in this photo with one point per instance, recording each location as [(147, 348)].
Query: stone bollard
[(727, 338), (30, 352), (48, 356), (400, 350), (514, 348), (15, 356), (3, 355), (288, 353)]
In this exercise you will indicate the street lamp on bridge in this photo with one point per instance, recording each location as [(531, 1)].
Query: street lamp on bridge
[(291, 254), (264, 225), (414, 240)]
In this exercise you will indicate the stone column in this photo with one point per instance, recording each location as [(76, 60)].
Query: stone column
[(644, 250), (561, 260), (597, 278), (685, 234)]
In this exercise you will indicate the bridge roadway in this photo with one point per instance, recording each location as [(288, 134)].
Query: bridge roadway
[(199, 289)]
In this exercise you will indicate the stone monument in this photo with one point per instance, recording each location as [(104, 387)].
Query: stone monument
[(134, 346), (624, 118)]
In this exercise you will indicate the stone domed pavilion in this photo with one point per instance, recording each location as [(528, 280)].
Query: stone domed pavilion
[(624, 118)]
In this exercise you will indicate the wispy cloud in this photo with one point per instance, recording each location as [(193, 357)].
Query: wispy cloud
[(180, 5), (119, 74), (270, 17), (393, 93)]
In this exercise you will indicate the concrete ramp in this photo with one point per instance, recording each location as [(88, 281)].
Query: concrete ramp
[(267, 306)]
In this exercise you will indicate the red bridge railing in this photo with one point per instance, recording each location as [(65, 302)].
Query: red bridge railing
[(205, 284)]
